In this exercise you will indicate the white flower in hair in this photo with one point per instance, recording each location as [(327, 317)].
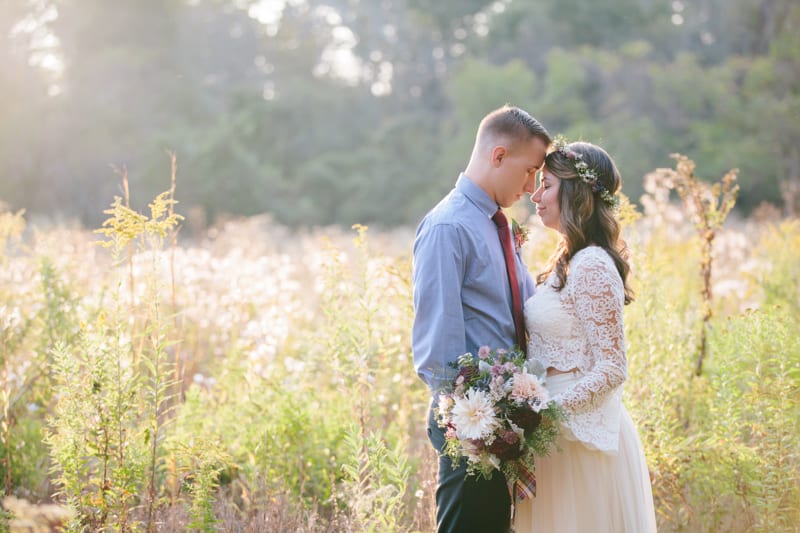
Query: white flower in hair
[(588, 175)]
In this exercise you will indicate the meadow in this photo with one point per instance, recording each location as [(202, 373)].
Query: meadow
[(255, 377)]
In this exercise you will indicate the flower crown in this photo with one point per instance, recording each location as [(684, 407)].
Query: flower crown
[(587, 174)]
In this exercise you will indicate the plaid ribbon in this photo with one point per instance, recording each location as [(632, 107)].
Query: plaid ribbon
[(525, 485), (523, 488)]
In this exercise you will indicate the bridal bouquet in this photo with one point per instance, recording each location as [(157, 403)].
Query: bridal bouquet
[(497, 414)]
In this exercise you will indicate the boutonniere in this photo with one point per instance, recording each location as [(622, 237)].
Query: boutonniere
[(520, 233)]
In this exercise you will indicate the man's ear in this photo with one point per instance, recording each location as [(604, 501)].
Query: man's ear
[(499, 153)]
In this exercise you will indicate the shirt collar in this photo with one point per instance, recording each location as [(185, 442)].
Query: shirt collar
[(476, 195)]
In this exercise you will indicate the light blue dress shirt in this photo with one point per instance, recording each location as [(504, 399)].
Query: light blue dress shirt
[(462, 298)]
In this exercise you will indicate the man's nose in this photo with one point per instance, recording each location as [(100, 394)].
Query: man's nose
[(530, 186)]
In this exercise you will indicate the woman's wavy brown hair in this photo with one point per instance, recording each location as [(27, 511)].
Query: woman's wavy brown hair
[(585, 218)]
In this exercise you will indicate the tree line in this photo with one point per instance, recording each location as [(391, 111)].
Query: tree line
[(343, 111)]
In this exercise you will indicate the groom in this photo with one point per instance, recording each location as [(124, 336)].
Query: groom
[(462, 296)]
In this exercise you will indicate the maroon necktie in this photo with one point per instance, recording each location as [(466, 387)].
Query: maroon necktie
[(525, 485), (501, 222)]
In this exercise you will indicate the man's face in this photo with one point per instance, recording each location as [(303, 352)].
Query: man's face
[(517, 170)]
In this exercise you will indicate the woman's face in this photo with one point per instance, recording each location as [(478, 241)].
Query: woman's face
[(546, 199)]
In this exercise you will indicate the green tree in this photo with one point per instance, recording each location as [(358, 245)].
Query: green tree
[(476, 89)]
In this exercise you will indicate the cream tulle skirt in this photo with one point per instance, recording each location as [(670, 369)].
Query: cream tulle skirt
[(588, 491)]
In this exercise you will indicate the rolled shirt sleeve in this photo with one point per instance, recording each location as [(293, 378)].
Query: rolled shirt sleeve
[(438, 331)]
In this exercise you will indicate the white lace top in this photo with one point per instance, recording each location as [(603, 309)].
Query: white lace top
[(581, 327)]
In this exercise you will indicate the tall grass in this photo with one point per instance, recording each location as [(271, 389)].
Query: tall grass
[(260, 379)]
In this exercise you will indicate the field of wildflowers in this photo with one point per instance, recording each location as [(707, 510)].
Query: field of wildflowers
[(259, 378)]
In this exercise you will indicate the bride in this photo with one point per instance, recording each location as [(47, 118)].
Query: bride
[(599, 482)]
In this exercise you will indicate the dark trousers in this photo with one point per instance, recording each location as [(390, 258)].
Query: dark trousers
[(467, 504)]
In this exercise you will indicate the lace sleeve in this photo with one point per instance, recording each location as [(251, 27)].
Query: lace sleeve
[(598, 296)]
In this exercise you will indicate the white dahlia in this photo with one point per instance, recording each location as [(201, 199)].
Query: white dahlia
[(473, 415)]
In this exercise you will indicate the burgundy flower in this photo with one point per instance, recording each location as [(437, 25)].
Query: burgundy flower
[(526, 418), (506, 447), (468, 373), (476, 446)]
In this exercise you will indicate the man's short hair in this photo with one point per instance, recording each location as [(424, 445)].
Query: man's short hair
[(512, 123)]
